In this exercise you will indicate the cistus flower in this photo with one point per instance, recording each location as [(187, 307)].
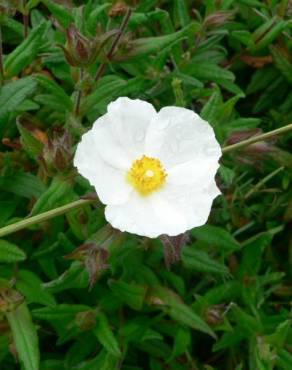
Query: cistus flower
[(154, 171)]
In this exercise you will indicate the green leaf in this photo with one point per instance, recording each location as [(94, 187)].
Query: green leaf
[(107, 87), (253, 249), (62, 15), (273, 93), (211, 108), (53, 88), (73, 278), (284, 359), (22, 184), (270, 36), (58, 193), (51, 102), (105, 335), (26, 52), (13, 94), (139, 48), (10, 253), (31, 287), (25, 337), (182, 341), (10, 25), (181, 13), (208, 72), (94, 16), (223, 293), (7, 209), (198, 260), (130, 293), (59, 312), (282, 63), (32, 4), (216, 237), (243, 36), (30, 144), (172, 304)]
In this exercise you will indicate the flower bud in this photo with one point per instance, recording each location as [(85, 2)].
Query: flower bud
[(94, 258), (81, 51), (8, 7), (78, 51), (260, 147), (86, 320), (172, 248), (217, 19), (57, 152), (119, 8), (214, 315), (9, 299)]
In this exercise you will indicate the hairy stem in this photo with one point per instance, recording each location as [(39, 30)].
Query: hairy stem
[(6, 230), (110, 53), (256, 138), (25, 18), (25, 24), (43, 216), (1, 59), (79, 94)]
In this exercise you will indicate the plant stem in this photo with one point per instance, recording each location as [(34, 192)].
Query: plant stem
[(79, 93), (25, 20), (1, 59), (6, 230), (261, 183), (25, 24), (110, 53), (256, 138), (44, 216)]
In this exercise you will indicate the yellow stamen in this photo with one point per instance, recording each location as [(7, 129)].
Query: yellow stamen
[(147, 175)]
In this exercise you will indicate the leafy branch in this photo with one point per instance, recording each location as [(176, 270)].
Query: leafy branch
[(27, 222)]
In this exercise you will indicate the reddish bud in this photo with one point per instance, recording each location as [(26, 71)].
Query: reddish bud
[(172, 248), (81, 51), (260, 147), (217, 19), (94, 257), (86, 320), (57, 153), (118, 9)]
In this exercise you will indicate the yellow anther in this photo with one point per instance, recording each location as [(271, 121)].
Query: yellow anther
[(147, 175)]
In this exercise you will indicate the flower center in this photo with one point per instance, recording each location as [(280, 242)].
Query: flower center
[(146, 175)]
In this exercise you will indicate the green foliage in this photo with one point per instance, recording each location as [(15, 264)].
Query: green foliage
[(10, 253), (73, 295), (24, 336)]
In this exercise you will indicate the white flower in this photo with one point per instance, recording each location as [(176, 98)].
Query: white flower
[(154, 171)]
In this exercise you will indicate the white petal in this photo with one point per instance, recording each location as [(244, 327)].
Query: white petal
[(192, 201), (104, 163), (147, 216), (195, 172), (101, 142), (130, 120), (171, 211), (178, 135)]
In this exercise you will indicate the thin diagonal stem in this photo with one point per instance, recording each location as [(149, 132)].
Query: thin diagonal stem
[(27, 222), (6, 230), (110, 53), (256, 138)]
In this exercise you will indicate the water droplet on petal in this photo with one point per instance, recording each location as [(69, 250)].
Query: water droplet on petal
[(139, 136)]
